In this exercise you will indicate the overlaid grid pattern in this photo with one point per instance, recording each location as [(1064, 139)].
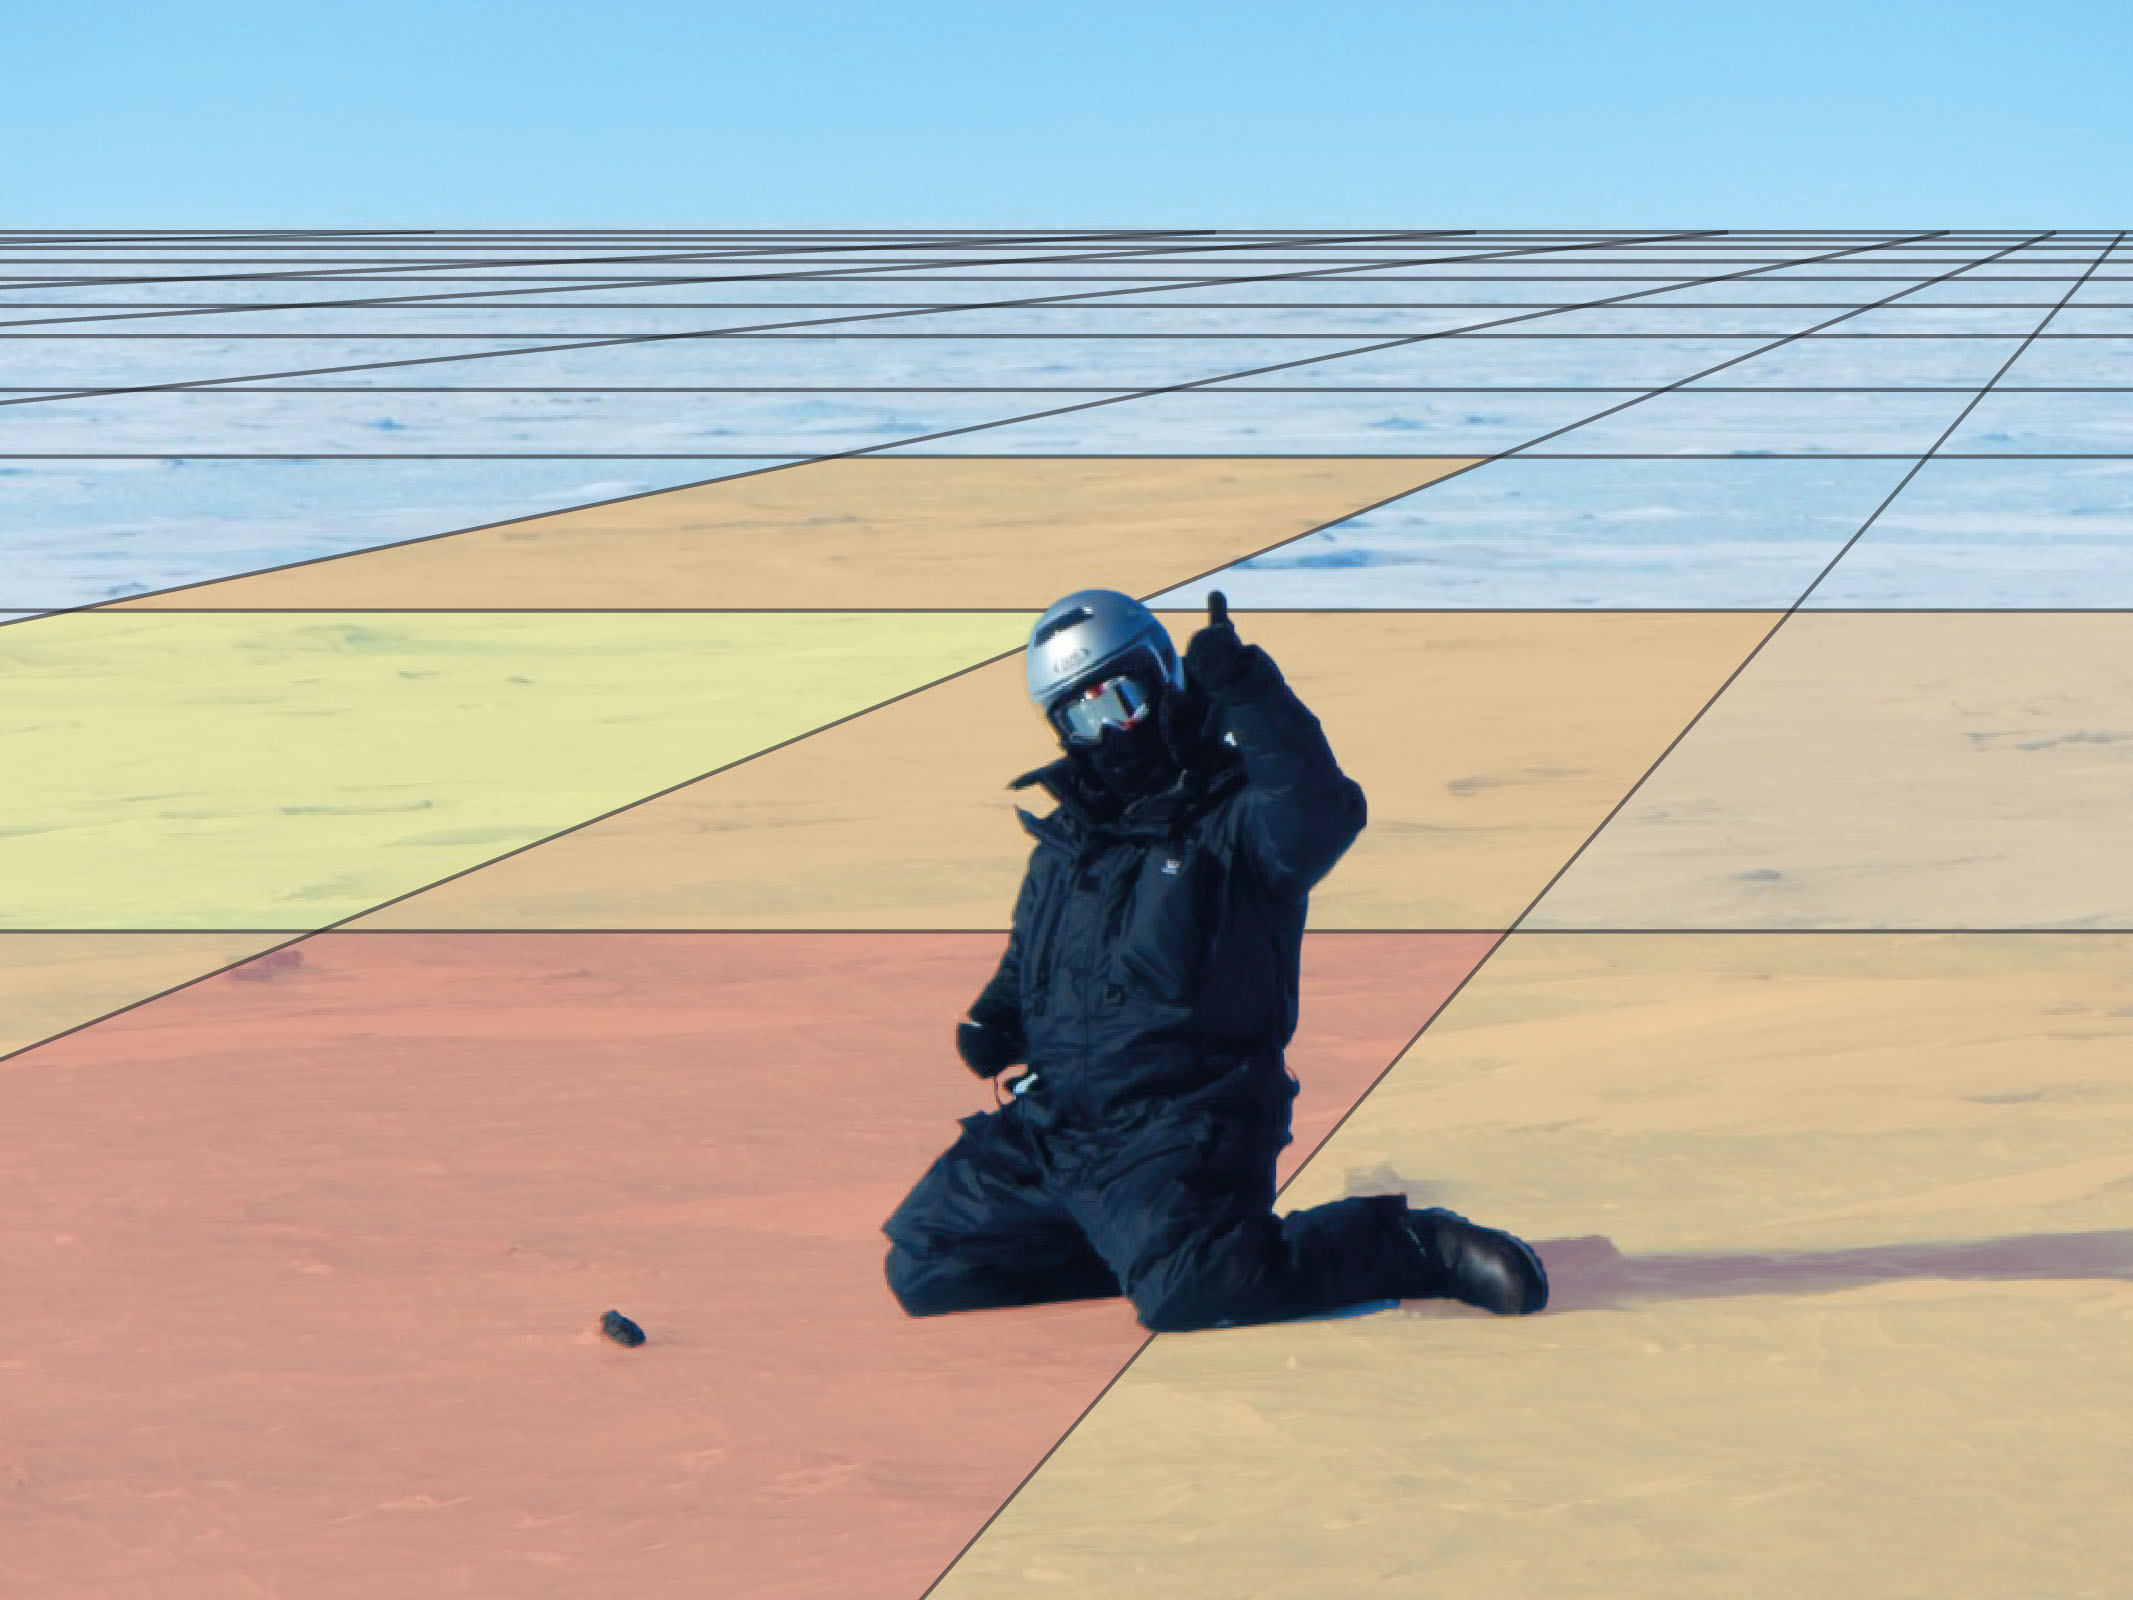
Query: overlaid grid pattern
[(505, 736)]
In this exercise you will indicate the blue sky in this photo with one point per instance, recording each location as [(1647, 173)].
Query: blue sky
[(1248, 113)]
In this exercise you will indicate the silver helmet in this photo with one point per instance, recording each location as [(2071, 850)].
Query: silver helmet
[(1090, 637)]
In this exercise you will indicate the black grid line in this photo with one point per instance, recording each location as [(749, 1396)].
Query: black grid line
[(796, 458), (534, 844), (1731, 678), (923, 254), (1093, 388), (436, 301), (1157, 283), (383, 905), (913, 252), (615, 341), (755, 335), (1522, 449), (1502, 934), (1476, 968), (1456, 991), (843, 274), (183, 309), (432, 303), (1173, 610), (786, 463), (1832, 931), (668, 255), (783, 463)]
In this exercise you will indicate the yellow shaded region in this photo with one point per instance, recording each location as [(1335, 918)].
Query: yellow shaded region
[(1839, 1228), (247, 771), (1007, 534), (1966, 770), (1490, 746), (50, 982)]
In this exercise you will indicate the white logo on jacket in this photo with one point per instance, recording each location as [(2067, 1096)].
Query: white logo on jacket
[(1170, 866)]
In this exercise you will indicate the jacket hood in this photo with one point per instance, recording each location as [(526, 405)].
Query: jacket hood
[(1087, 811), (1208, 768)]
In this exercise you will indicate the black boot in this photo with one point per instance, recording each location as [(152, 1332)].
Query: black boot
[(1482, 1266)]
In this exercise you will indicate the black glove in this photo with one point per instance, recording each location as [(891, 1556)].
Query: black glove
[(987, 1051), (1216, 659)]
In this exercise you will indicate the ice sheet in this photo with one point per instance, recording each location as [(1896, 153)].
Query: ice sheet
[(356, 423), (76, 531), (1749, 534), (1203, 422), (1992, 534), (1739, 424), (2047, 424)]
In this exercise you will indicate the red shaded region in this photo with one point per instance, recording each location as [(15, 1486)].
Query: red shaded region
[(305, 1275)]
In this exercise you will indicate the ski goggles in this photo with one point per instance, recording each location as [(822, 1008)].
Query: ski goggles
[(1117, 702)]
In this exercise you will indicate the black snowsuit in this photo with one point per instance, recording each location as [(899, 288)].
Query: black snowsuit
[(1152, 973)]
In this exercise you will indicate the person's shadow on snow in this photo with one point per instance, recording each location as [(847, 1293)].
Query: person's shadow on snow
[(1590, 1274)]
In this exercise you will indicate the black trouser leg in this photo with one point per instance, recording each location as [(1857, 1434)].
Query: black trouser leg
[(979, 1229), (1182, 1210)]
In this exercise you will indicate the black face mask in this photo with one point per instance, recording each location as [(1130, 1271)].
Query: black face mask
[(1132, 761)]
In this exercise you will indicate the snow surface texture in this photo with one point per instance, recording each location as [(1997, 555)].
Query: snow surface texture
[(1731, 490)]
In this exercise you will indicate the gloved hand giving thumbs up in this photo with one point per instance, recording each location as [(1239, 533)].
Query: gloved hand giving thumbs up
[(1216, 659)]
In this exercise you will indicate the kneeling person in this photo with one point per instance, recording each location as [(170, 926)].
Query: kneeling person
[(1150, 982)]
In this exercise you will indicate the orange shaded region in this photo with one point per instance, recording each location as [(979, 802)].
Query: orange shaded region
[(305, 1269), (1490, 745), (994, 534)]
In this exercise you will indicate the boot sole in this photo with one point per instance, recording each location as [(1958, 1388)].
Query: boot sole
[(1539, 1292), (1532, 1285)]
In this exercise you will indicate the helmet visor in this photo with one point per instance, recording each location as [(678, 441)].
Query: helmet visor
[(1118, 702)]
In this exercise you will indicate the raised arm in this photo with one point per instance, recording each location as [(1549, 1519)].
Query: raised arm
[(1300, 811)]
